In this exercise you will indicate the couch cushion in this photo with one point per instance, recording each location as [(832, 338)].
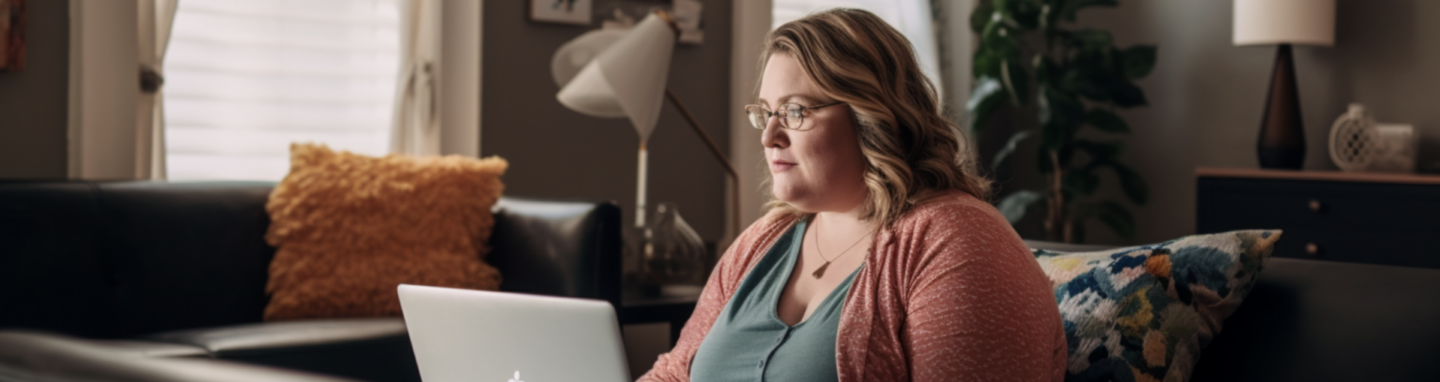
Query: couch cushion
[(42, 357), (351, 228), (1144, 313), (363, 348), (1310, 320)]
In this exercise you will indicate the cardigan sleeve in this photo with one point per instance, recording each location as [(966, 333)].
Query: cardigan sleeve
[(675, 365), (979, 307)]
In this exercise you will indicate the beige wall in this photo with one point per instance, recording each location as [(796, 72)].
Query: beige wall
[(558, 153), (1206, 95), (33, 101)]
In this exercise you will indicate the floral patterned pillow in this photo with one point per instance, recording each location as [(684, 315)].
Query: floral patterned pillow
[(1144, 313)]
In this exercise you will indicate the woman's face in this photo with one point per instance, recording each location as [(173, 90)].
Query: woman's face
[(819, 168)]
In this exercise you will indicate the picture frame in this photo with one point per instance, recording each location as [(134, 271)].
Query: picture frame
[(12, 35), (577, 12)]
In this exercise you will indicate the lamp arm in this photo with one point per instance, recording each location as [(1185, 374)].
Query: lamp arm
[(714, 149)]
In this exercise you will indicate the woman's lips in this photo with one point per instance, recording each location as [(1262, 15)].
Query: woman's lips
[(780, 166)]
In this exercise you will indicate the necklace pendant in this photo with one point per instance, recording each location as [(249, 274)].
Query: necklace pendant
[(821, 270)]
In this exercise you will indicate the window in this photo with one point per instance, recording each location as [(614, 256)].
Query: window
[(911, 17), (244, 79)]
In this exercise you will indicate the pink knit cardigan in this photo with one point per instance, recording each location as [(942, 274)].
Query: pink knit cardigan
[(949, 292)]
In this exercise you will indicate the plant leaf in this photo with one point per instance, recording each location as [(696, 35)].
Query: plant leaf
[(1009, 147), (981, 16), (1059, 107), (1106, 121), (1073, 6), (1101, 151), (1081, 182), (986, 63), (1018, 83), (1025, 13), (1130, 181), (1138, 61), (1094, 40), (987, 96), (1128, 95), (1042, 160), (1115, 216), (1013, 206)]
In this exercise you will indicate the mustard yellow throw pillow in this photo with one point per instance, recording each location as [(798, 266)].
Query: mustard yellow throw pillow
[(349, 228)]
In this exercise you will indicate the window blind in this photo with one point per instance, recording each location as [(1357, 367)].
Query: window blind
[(244, 79)]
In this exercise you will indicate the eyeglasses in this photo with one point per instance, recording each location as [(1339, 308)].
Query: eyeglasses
[(792, 115)]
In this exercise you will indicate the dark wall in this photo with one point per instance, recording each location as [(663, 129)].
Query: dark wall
[(1207, 95), (558, 153), (33, 102)]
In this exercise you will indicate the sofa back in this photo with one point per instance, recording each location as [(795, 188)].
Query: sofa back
[(120, 259)]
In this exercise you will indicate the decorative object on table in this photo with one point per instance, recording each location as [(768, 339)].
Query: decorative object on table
[(1353, 139), (561, 11), (12, 35), (1073, 78), (1358, 143), (672, 258), (1398, 148), (349, 228), (1284, 22), (1145, 313), (621, 74)]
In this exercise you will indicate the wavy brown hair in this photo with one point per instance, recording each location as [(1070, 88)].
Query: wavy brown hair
[(911, 152)]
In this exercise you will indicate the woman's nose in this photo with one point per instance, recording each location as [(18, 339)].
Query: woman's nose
[(774, 134)]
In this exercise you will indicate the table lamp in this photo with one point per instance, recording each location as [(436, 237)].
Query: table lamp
[(621, 74), (1284, 22)]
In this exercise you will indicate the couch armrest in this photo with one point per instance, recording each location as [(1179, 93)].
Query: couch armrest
[(35, 356), (567, 249), (363, 348)]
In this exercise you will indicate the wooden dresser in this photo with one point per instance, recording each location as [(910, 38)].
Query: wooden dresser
[(1388, 219)]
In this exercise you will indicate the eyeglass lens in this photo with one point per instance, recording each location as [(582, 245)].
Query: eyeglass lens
[(791, 115)]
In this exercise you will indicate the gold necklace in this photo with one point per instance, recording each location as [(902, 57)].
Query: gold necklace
[(821, 270)]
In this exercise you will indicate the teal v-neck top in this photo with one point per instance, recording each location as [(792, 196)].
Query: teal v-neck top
[(749, 342)]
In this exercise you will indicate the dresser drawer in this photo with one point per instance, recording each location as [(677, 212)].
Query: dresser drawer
[(1360, 247), (1392, 224)]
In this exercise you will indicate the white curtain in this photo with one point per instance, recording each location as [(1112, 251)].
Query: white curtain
[(416, 128), (155, 19)]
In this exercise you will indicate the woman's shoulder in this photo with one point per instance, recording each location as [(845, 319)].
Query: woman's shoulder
[(949, 207)]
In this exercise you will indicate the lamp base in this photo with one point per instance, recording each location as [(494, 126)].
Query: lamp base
[(1282, 130)]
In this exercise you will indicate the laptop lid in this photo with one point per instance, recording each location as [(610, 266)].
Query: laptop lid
[(476, 336)]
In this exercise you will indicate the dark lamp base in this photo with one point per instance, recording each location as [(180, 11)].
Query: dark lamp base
[(1281, 158)]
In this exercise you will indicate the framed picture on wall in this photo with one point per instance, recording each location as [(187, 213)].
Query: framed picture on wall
[(12, 35), (560, 11)]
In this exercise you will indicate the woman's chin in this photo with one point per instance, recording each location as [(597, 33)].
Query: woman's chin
[(788, 195)]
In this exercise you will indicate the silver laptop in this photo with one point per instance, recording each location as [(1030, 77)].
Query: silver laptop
[(474, 336)]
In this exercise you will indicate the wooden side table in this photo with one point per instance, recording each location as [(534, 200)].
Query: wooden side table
[(1375, 218), (638, 309)]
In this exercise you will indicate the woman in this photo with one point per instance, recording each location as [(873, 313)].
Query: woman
[(878, 260)]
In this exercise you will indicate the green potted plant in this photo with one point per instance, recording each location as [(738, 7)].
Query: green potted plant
[(1059, 80)]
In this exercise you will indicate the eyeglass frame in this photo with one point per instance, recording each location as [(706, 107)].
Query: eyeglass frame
[(783, 123)]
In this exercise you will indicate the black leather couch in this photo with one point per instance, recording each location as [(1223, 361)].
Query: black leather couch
[(1314, 320), (160, 281)]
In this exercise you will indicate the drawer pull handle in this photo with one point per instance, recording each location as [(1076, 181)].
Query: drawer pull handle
[(1312, 249), (1315, 205)]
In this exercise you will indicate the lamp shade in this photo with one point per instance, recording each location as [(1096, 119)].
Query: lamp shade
[(626, 79), (1266, 22)]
